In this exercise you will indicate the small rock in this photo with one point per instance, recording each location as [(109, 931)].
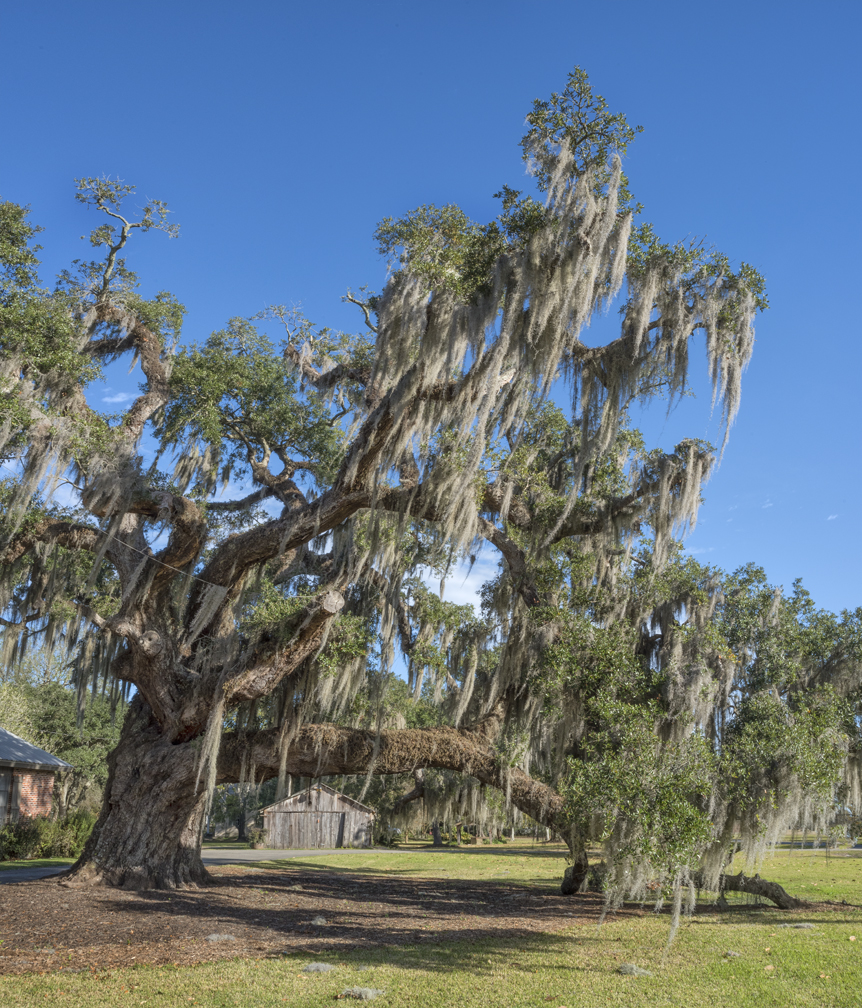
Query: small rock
[(361, 993), (220, 937), (319, 921), (629, 969), (318, 968), (732, 955)]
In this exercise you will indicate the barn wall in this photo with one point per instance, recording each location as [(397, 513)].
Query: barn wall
[(320, 819)]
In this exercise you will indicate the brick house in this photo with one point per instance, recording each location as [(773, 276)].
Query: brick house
[(26, 778)]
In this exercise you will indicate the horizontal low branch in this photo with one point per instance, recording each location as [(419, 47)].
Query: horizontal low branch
[(322, 750), (754, 885)]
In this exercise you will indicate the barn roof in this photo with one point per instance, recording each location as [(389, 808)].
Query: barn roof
[(15, 752), (294, 799)]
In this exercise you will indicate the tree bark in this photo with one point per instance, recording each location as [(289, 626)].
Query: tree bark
[(148, 834), (576, 875)]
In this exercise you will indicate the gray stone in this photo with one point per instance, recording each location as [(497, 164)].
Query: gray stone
[(732, 955), (318, 967), (220, 937), (629, 969), (361, 993), (319, 921)]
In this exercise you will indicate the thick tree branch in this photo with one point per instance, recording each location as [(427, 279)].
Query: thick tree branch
[(417, 792), (321, 750), (516, 560), (240, 505), (265, 671), (156, 368), (71, 535), (756, 886)]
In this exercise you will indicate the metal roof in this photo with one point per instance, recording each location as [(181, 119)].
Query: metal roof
[(15, 752), (294, 799)]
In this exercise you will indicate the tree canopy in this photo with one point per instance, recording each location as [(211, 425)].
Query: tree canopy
[(609, 686)]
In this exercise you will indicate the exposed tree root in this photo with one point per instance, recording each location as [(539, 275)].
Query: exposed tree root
[(87, 875)]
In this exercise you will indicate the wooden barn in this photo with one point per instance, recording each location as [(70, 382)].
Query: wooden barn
[(318, 817)]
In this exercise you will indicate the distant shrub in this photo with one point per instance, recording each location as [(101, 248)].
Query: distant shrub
[(41, 837), (385, 839)]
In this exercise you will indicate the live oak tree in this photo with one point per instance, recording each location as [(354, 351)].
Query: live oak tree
[(259, 632)]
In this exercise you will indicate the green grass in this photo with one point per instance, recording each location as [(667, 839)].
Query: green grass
[(514, 863), (575, 968), (46, 862)]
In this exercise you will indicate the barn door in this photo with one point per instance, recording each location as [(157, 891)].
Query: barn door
[(328, 829)]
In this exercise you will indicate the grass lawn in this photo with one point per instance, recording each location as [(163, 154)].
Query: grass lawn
[(784, 967), (47, 862)]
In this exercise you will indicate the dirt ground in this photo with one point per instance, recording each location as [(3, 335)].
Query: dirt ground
[(46, 927)]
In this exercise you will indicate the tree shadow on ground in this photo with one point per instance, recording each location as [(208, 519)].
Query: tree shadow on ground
[(366, 910)]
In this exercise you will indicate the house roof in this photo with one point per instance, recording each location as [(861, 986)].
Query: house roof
[(320, 787), (15, 752)]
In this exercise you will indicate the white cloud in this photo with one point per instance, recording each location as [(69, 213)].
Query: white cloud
[(831, 517), (702, 549), (119, 397), (768, 504), (463, 586)]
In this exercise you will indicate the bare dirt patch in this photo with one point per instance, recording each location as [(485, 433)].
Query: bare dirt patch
[(46, 927)]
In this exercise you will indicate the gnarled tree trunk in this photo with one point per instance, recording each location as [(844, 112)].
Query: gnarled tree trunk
[(148, 835), (576, 876)]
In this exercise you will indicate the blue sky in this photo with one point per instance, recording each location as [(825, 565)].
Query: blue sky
[(280, 133)]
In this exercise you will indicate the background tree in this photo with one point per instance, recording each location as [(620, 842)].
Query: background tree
[(38, 703), (369, 458)]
